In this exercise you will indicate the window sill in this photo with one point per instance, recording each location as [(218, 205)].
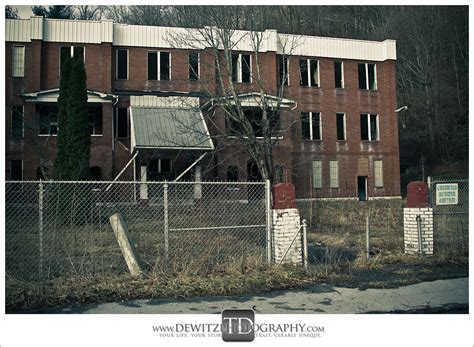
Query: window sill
[(342, 141), (368, 90), (313, 140), (47, 135), (311, 87), (97, 135), (369, 141)]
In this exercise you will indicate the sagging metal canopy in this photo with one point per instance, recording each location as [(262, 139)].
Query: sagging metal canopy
[(169, 128)]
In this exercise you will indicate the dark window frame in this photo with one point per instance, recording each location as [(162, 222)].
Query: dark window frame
[(194, 71), (367, 130), (118, 73), (341, 128), (306, 71), (13, 134), (158, 63), (339, 81), (308, 119), (72, 49), (238, 68), (117, 123)]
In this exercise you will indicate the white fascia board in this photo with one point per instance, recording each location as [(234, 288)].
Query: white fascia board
[(184, 102), (79, 31)]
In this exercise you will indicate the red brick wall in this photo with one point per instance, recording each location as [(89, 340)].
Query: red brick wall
[(294, 154)]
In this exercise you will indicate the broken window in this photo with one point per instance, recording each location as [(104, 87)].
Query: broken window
[(334, 174), (232, 173), (18, 61), (311, 126), (48, 118), (317, 174), (17, 122), (193, 66), (159, 66), (309, 73), (70, 52), (158, 169), (378, 173), (338, 74), (16, 170), (283, 70), (369, 127), (367, 76), (121, 126), (254, 116), (341, 126), (95, 120), (122, 64), (165, 66), (241, 68)]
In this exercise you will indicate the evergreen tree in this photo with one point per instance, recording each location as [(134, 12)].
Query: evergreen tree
[(61, 168), (73, 140), (79, 140)]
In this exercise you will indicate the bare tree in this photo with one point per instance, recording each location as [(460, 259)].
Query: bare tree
[(259, 132)]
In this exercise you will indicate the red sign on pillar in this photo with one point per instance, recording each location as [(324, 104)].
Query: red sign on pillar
[(284, 196), (417, 194)]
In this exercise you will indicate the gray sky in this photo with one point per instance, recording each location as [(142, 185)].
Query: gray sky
[(24, 11)]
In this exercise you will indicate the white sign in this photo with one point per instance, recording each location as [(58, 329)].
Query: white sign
[(447, 194)]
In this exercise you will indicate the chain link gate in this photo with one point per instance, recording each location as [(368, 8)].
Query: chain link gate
[(61, 229), (449, 199)]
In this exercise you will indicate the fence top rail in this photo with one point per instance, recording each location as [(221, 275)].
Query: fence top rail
[(138, 182), (448, 180)]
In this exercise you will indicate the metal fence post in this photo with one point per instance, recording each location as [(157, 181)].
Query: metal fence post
[(305, 244), (367, 235), (40, 228), (268, 210), (418, 227), (166, 224)]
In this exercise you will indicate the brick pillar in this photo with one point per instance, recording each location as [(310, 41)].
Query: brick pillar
[(286, 225), (418, 214)]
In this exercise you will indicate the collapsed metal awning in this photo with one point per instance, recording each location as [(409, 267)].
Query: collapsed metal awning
[(169, 128)]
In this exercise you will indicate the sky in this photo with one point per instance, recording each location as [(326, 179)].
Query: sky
[(24, 11)]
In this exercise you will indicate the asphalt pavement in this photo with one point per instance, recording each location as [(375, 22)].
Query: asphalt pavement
[(319, 298)]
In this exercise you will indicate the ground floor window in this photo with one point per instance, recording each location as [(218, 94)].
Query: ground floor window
[(158, 169), (16, 170), (232, 173), (378, 173), (48, 119), (334, 174), (317, 174)]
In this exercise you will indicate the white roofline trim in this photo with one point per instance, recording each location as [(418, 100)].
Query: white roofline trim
[(97, 32)]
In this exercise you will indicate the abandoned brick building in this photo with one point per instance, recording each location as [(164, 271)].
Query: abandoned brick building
[(338, 105)]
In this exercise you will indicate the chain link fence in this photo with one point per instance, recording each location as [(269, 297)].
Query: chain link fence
[(449, 199), (62, 229), (338, 229)]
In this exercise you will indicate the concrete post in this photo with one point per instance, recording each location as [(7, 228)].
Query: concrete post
[(126, 246), (418, 220)]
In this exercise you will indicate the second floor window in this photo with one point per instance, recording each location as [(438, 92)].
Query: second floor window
[(122, 64), (311, 126), (71, 52), (309, 73), (241, 68), (193, 66), (369, 127), (283, 70), (341, 126), (367, 76), (121, 123), (18, 61), (159, 66), (339, 74)]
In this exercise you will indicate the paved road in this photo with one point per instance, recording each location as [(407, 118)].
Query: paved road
[(315, 299)]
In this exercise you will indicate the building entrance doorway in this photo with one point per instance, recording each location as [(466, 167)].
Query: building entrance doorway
[(362, 188)]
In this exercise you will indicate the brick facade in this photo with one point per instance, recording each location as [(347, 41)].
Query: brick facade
[(355, 157)]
